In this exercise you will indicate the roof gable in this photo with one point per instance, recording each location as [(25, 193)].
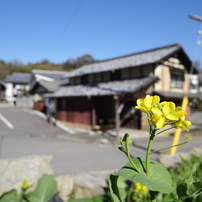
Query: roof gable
[(56, 75)]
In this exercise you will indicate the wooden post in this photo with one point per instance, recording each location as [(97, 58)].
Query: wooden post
[(117, 118), (93, 114), (178, 131)]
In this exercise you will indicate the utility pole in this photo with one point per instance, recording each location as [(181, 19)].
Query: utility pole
[(198, 42), (194, 78)]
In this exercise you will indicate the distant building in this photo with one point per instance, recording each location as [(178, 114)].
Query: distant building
[(45, 81), (103, 94), (16, 85)]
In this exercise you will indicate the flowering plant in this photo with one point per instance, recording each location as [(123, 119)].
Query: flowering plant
[(144, 171), (25, 184)]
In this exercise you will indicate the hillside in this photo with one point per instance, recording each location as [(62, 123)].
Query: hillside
[(69, 65)]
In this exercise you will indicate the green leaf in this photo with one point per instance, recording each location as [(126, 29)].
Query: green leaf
[(10, 196), (126, 144), (117, 187), (190, 188), (80, 200), (195, 189), (182, 191), (159, 180), (153, 184), (190, 180), (98, 198), (45, 190)]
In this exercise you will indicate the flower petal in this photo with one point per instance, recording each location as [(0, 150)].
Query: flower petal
[(156, 100), (172, 117), (161, 122)]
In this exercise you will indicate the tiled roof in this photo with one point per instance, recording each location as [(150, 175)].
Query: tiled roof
[(104, 88), (141, 58), (18, 78), (3, 83), (56, 75), (48, 79), (50, 86)]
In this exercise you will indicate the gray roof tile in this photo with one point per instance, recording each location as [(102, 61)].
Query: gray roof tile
[(141, 58), (50, 86), (105, 88), (56, 75), (18, 78)]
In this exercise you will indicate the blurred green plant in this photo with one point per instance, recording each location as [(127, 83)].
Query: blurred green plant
[(188, 186), (146, 172), (44, 191)]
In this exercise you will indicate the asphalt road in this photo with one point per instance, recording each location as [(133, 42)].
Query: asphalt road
[(23, 133), (31, 134)]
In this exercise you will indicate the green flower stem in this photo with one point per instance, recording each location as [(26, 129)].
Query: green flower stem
[(149, 147), (165, 130), (132, 163)]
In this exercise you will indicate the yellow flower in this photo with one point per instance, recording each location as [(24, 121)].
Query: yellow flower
[(147, 103), (166, 133), (184, 158), (158, 118), (161, 114), (183, 124), (180, 112), (140, 189), (62, 186), (25, 183), (188, 136), (25, 178), (169, 110), (195, 149)]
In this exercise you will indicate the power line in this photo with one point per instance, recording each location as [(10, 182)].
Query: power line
[(65, 28)]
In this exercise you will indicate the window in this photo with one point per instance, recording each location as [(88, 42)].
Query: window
[(78, 80), (84, 79), (98, 77), (106, 76), (177, 80), (116, 75), (125, 73), (91, 78), (147, 70), (72, 80), (135, 73)]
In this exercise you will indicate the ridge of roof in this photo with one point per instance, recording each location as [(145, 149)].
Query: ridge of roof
[(140, 52), (20, 73), (36, 71)]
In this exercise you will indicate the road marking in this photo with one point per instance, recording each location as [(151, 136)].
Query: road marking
[(6, 122)]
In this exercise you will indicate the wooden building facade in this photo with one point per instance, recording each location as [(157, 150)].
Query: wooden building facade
[(103, 94)]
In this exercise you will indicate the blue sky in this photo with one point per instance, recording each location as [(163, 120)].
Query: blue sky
[(35, 30)]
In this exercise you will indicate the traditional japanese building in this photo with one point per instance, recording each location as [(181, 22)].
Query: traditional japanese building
[(103, 94)]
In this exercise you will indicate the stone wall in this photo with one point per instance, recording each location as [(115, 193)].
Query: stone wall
[(82, 185)]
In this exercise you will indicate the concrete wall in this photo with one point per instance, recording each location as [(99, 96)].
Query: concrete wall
[(25, 102)]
